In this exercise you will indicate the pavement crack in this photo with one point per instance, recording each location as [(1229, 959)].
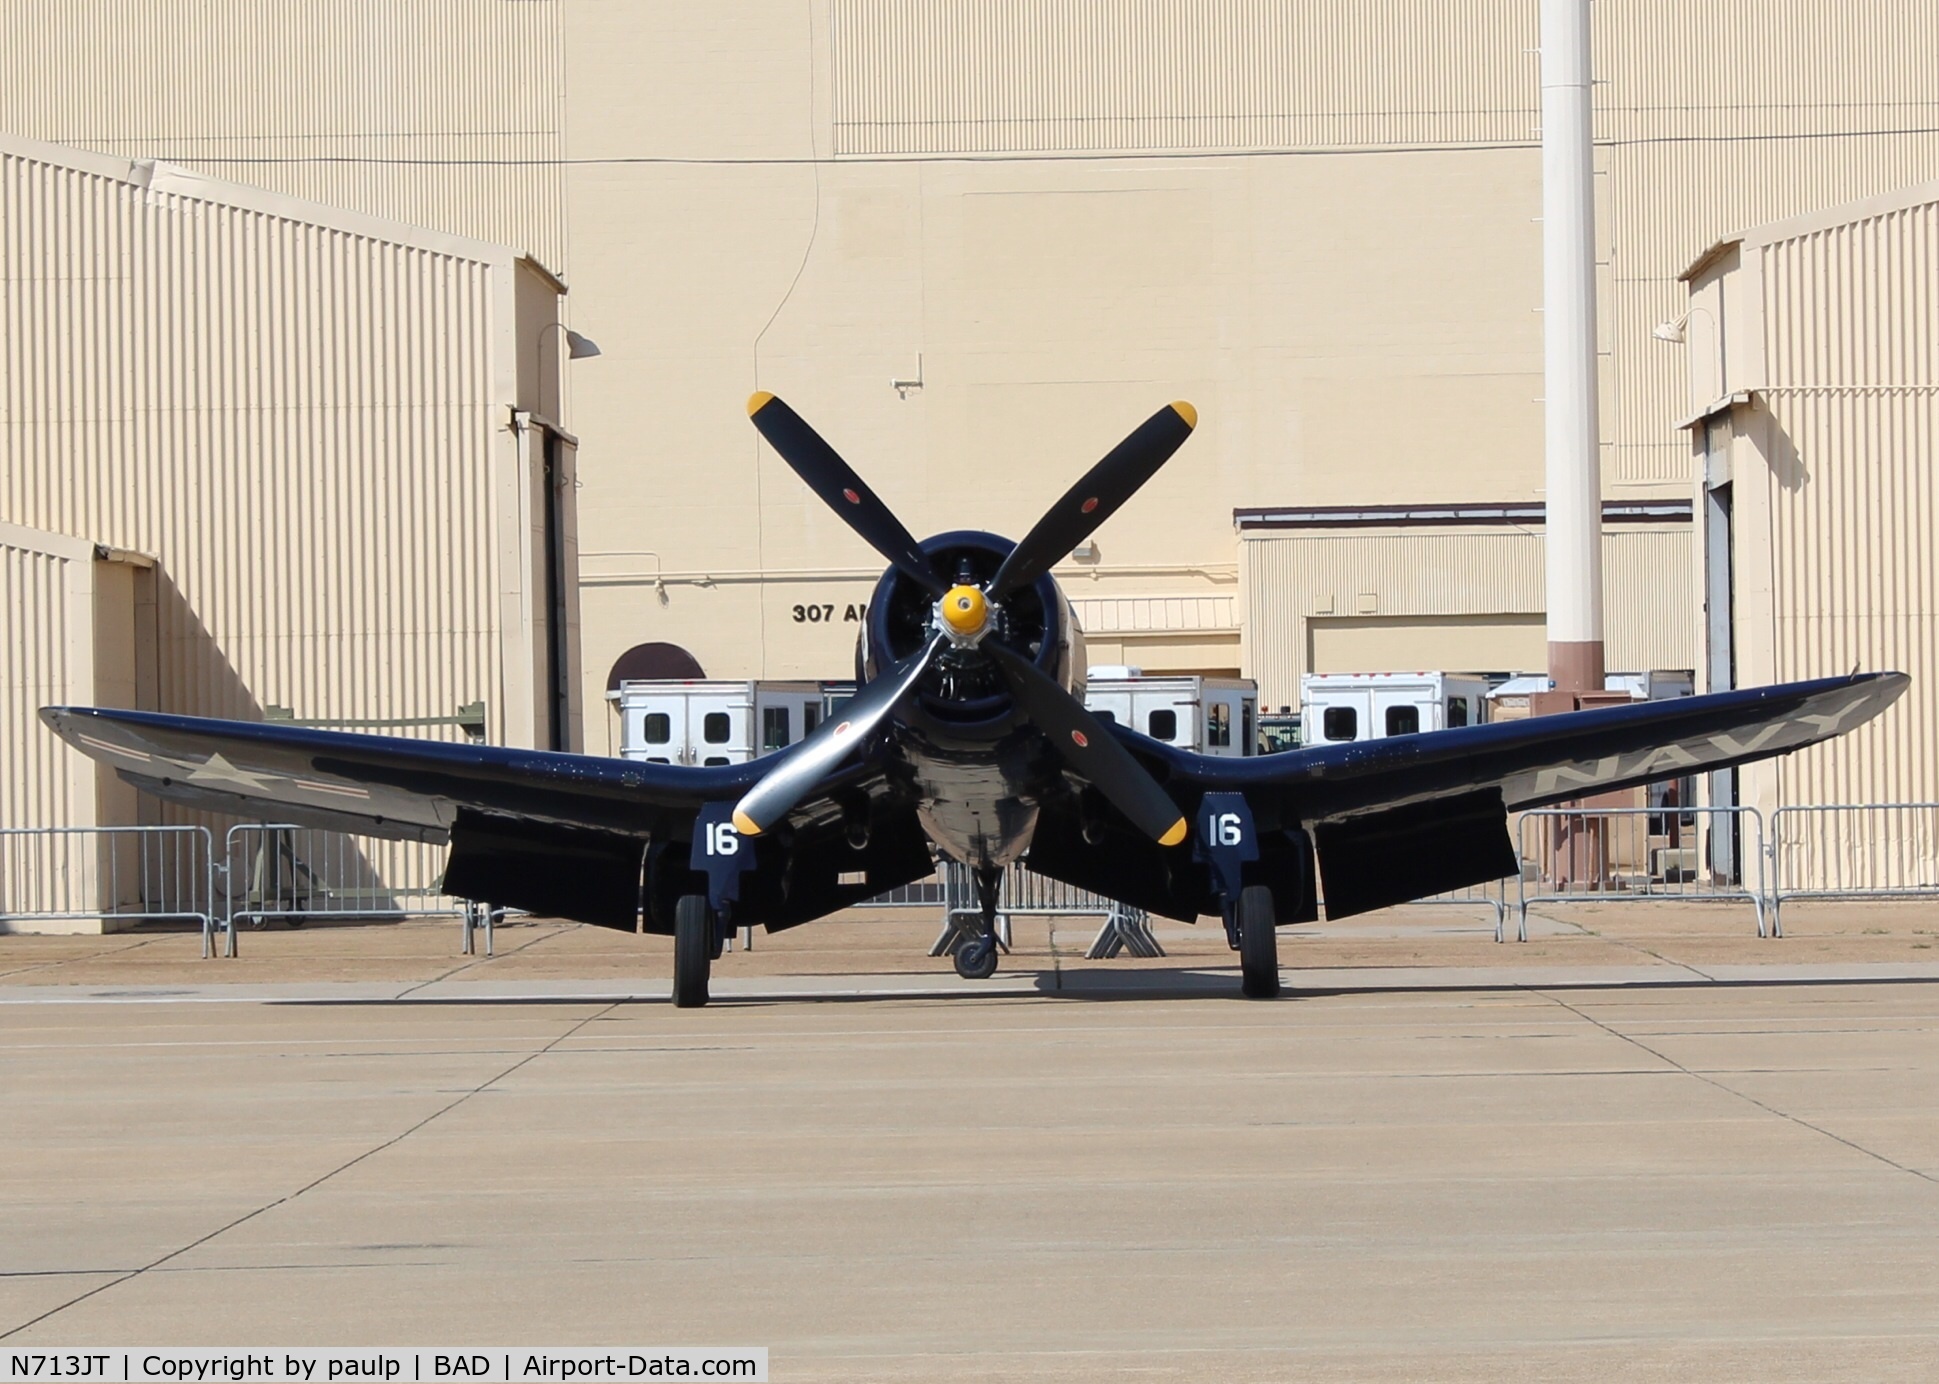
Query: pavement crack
[(1585, 930), (1729, 1090), (464, 966), (92, 956), (313, 1183)]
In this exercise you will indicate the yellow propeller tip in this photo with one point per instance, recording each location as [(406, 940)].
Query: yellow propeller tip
[(743, 823), (1175, 835), (1185, 411), (757, 401)]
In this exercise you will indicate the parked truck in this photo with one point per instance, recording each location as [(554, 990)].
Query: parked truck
[(1214, 716), (1340, 708), (712, 720), (720, 721)]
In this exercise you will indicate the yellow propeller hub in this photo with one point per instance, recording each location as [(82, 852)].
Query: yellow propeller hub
[(965, 610)]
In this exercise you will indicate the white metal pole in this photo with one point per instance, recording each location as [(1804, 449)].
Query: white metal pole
[(1573, 469)]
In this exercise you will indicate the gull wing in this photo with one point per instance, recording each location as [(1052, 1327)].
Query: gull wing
[(388, 786), (1544, 759)]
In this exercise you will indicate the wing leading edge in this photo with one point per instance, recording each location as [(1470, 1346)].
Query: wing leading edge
[(388, 786), (1548, 759)]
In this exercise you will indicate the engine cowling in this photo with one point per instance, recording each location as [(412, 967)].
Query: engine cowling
[(963, 695)]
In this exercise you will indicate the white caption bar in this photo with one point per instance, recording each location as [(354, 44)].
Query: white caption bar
[(407, 1365)]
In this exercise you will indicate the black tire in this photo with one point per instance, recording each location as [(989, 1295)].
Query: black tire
[(976, 958), (693, 950), (1258, 944)]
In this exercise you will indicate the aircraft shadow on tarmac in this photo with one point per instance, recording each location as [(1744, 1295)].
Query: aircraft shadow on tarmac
[(1168, 984)]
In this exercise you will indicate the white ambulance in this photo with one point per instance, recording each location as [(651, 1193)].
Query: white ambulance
[(712, 720), (1215, 716), (1341, 708)]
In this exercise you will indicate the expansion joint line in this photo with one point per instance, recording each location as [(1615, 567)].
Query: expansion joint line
[(314, 1183), (464, 966), (1667, 1060)]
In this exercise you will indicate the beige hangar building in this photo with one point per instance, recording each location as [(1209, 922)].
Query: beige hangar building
[(266, 458), (975, 242)]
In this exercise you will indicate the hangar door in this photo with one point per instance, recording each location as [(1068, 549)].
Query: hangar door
[(1436, 643), (547, 460)]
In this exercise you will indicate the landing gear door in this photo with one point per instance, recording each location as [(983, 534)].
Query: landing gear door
[(721, 853)]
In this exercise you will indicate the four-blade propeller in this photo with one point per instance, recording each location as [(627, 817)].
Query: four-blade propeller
[(840, 488), (964, 614)]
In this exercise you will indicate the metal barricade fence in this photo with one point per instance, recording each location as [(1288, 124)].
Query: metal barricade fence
[(921, 893), (1025, 892), (1622, 854), (1853, 850), (131, 874), (278, 871), (272, 871), (1492, 895)]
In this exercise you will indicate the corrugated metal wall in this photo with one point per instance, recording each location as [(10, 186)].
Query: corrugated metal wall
[(1155, 614), (1850, 428), (297, 420), (445, 113), (1292, 579), (46, 639)]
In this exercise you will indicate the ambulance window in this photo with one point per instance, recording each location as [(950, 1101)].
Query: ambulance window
[(1111, 716), (714, 727), (1163, 725), (1340, 723), (659, 728), (774, 727), (1457, 712), (1218, 724), (810, 718), (1403, 720), (716, 759)]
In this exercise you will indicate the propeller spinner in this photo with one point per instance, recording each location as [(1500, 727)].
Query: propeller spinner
[(964, 615)]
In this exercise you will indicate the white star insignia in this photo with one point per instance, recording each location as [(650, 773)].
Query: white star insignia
[(216, 769)]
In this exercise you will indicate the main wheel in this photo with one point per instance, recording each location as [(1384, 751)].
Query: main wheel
[(693, 950), (976, 958), (1258, 944)]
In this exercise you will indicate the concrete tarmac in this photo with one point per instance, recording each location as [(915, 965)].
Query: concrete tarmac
[(1522, 1166)]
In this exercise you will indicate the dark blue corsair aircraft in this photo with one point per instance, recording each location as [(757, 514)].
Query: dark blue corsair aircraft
[(969, 736)]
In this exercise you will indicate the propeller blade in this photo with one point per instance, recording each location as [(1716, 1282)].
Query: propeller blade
[(1091, 751), (1104, 489), (796, 775), (840, 488)]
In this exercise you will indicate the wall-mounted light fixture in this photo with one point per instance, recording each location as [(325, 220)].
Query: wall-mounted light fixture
[(1673, 331)]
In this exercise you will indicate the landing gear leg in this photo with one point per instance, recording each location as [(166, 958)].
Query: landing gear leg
[(976, 956), (1258, 944), (694, 948)]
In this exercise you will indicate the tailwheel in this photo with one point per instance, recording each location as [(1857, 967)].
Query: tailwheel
[(976, 957), (1258, 944), (693, 950)]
